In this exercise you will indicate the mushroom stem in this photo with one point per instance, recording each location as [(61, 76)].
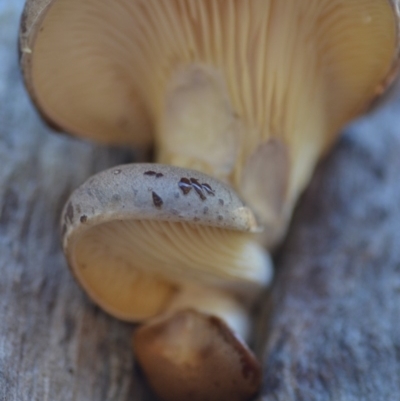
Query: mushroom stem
[(198, 126), (194, 356), (215, 302), (195, 350)]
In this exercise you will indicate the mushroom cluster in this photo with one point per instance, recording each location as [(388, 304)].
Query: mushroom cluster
[(240, 98)]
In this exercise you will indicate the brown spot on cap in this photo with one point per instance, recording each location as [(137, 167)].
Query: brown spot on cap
[(152, 173), (198, 188), (208, 189), (158, 202), (185, 186), (83, 219)]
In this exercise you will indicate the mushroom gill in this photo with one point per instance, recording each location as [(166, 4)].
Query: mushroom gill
[(134, 268), (213, 80)]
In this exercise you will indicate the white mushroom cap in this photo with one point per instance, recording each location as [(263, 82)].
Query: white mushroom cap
[(214, 83), (135, 235)]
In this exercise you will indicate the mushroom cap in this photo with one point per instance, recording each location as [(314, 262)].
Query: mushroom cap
[(100, 70), (194, 356), (134, 234), (215, 84)]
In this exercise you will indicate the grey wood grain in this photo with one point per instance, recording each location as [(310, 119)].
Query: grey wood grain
[(334, 327)]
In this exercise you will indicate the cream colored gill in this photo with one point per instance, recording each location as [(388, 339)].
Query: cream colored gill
[(293, 70), (132, 268)]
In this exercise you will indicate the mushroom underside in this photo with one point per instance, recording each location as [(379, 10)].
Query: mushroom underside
[(135, 268), (126, 51), (190, 74)]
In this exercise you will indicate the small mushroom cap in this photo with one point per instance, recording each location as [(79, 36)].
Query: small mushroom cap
[(135, 233), (194, 356)]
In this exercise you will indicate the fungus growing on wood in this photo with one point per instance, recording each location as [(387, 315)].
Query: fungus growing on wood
[(214, 84), (145, 246), (249, 93)]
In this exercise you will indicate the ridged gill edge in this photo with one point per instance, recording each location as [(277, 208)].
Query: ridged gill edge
[(35, 11)]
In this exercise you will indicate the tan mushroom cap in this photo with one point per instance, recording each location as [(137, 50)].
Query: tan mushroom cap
[(193, 356), (135, 234), (101, 69), (215, 83)]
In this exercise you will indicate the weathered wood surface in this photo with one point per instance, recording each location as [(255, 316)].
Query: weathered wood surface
[(334, 330), (54, 344), (334, 333)]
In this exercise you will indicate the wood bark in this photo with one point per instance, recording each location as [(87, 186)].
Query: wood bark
[(332, 319)]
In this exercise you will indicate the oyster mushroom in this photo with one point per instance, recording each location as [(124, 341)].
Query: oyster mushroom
[(250, 92), (151, 240)]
